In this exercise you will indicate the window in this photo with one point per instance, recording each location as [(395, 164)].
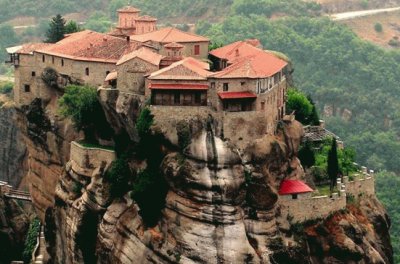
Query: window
[(62, 62), (87, 71), (43, 58), (294, 196), (242, 83), (177, 98), (33, 74), (226, 87), (213, 85), (197, 98), (196, 49), (27, 88), (107, 73)]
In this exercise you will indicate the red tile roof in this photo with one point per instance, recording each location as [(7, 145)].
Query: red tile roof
[(29, 48), (173, 45), (259, 65), (143, 53), (293, 187), (91, 46), (178, 86), (236, 95), (186, 69), (234, 51), (146, 18), (169, 34), (128, 9)]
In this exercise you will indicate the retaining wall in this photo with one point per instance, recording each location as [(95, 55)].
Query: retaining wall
[(300, 210), (363, 186), (84, 160)]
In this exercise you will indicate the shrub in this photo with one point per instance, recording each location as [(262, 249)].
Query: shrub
[(49, 77), (119, 176), (31, 240), (77, 187), (307, 156), (80, 103), (378, 27), (6, 88), (299, 103), (144, 122)]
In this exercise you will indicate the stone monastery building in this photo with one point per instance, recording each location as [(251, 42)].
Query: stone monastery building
[(167, 66)]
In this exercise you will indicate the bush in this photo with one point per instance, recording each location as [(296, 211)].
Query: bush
[(299, 103), (6, 88), (144, 122), (31, 240), (80, 103), (119, 176), (49, 77), (378, 27)]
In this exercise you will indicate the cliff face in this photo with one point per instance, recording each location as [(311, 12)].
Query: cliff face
[(13, 154), (14, 224), (222, 173)]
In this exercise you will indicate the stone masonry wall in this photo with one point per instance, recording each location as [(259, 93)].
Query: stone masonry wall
[(361, 186), (84, 160), (300, 210)]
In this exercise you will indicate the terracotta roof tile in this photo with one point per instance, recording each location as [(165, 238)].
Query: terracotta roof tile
[(174, 45), (178, 86), (146, 18), (169, 34), (317, 133), (186, 69), (143, 53), (293, 187), (259, 65), (91, 46)]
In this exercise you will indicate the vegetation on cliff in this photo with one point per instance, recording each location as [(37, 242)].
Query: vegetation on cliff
[(31, 240), (80, 103)]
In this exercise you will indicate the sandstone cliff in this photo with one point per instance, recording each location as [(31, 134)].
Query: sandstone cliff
[(13, 154), (221, 174)]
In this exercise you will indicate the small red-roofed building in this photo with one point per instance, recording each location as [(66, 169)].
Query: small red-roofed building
[(183, 83), (294, 189)]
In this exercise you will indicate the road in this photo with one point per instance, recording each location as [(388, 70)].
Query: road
[(355, 14)]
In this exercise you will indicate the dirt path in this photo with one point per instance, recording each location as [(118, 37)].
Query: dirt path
[(355, 14)]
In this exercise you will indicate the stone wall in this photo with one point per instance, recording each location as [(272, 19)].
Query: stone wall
[(300, 210), (84, 160), (360, 186)]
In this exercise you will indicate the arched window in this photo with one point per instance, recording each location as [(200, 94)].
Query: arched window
[(62, 62), (87, 71), (43, 58)]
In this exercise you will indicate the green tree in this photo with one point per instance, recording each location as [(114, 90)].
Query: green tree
[(297, 102), (307, 155), (333, 164), (98, 22), (80, 103), (72, 27), (56, 29), (313, 118)]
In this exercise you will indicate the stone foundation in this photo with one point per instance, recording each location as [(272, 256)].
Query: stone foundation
[(84, 160)]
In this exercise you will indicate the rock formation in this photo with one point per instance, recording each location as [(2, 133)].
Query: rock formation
[(13, 154), (220, 200)]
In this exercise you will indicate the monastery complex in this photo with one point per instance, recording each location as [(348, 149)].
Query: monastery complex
[(167, 66), (172, 69)]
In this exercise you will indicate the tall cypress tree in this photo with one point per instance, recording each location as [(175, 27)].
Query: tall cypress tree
[(57, 29), (313, 118), (333, 164)]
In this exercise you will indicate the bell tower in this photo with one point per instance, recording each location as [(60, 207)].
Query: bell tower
[(127, 18)]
